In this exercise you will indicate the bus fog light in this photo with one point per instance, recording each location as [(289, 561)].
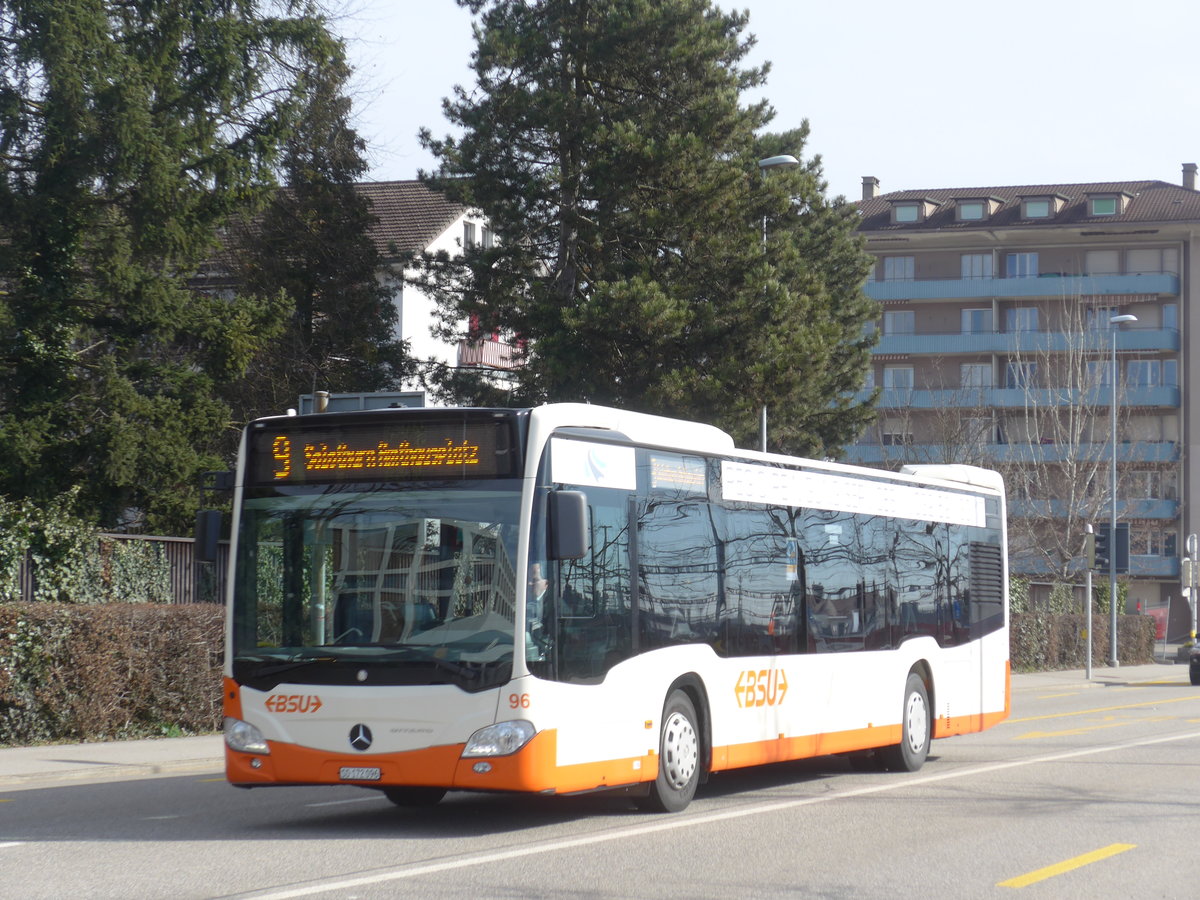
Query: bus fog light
[(500, 739), (481, 768), (256, 763), (244, 737)]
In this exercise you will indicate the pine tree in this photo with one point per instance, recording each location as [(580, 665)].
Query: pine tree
[(608, 145), (130, 132), (311, 247)]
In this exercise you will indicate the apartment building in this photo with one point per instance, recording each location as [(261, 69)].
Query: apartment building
[(1006, 311)]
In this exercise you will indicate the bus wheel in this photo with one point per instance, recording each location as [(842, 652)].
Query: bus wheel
[(678, 758), (414, 796), (909, 755)]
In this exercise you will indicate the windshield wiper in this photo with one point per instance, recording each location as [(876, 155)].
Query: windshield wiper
[(287, 666)]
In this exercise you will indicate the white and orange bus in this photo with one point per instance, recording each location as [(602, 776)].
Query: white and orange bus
[(572, 598)]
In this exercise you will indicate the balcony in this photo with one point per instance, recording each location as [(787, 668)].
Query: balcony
[(1027, 342), (892, 455), (488, 354), (1048, 285), (1142, 508), (1163, 397)]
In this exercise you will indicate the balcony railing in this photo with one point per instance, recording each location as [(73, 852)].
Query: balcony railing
[(966, 398), (995, 454), (1027, 342), (488, 354), (1048, 285)]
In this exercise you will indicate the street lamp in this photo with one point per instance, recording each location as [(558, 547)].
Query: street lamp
[(1116, 322), (783, 161)]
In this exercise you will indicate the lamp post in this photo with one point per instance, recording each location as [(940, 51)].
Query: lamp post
[(783, 161), (1116, 322)]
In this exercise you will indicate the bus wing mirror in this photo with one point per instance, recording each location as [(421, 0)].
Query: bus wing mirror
[(568, 538), (208, 535)]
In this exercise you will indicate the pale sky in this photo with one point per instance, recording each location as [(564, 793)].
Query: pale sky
[(920, 94)]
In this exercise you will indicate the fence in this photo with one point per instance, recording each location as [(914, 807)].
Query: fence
[(191, 581)]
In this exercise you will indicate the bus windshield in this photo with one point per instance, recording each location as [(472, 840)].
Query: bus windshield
[(376, 584)]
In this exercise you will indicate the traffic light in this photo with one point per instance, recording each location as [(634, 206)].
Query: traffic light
[(1106, 546), (1089, 549), (1103, 546)]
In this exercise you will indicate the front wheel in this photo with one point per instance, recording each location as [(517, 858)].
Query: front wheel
[(909, 755), (678, 757)]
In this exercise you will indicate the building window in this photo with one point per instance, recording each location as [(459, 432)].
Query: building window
[(487, 237), (1021, 265), (1102, 262), (1021, 318), (1020, 374), (1170, 316), (896, 439), (869, 380), (1147, 540), (977, 265), (970, 210), (976, 375), (1098, 318), (468, 235), (1103, 206), (976, 321), (1099, 373), (1143, 373), (898, 377), (901, 321), (906, 212), (898, 268), (1035, 209), (1170, 373)]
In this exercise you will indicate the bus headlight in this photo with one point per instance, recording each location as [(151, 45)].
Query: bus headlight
[(244, 737), (500, 739)]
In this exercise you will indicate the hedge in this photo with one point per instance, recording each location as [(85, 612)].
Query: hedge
[(107, 672)]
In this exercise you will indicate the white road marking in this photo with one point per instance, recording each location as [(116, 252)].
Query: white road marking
[(684, 821), (11, 844), (343, 802)]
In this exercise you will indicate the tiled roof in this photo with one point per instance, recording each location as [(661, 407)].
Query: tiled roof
[(1152, 201), (409, 215)]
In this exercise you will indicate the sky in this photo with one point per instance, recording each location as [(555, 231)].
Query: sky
[(919, 94)]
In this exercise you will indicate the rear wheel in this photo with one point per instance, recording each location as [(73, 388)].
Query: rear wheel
[(1194, 674), (909, 755), (414, 796), (678, 757)]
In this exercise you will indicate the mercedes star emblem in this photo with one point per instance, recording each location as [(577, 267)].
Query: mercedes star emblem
[(360, 737)]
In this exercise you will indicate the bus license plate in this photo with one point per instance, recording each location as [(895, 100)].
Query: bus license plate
[(359, 773)]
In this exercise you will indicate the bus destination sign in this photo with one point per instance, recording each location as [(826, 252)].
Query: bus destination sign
[(380, 452)]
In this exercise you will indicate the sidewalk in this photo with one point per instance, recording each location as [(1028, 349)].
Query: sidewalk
[(106, 761), (110, 760)]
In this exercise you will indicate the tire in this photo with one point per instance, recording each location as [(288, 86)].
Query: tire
[(679, 756), (414, 796), (909, 755), (1194, 674)]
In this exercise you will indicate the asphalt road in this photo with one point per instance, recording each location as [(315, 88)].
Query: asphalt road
[(1085, 792)]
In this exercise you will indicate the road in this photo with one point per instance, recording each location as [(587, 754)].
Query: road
[(1085, 792)]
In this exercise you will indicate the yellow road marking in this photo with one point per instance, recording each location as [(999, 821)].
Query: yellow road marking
[(1066, 866), (1089, 712), (207, 780)]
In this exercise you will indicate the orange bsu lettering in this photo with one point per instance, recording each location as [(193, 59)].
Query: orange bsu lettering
[(293, 703), (766, 687)]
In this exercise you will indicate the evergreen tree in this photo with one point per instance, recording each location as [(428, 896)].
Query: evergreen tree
[(311, 247), (608, 145), (130, 132)]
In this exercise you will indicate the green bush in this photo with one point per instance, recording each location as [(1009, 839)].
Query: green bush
[(115, 671), (1041, 641), (72, 562)]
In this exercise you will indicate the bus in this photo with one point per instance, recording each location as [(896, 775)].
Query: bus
[(571, 598)]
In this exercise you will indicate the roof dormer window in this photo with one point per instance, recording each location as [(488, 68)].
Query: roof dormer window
[(1107, 204), (970, 210), (1041, 206), (975, 209), (906, 212)]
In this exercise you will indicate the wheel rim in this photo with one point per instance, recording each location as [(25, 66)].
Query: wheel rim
[(680, 750), (917, 720)]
